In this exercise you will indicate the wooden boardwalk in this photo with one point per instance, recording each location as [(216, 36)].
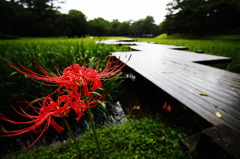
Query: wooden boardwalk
[(212, 93)]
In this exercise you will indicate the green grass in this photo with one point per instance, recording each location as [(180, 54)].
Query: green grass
[(198, 36), (149, 137), (228, 46), (142, 138), (48, 52)]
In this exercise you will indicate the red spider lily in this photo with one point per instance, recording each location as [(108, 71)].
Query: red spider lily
[(74, 79), (73, 101), (48, 109), (44, 117), (167, 107), (112, 70), (74, 75)]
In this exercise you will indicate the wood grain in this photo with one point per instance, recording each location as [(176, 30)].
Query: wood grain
[(205, 90)]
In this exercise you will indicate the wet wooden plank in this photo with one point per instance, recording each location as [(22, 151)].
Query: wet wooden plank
[(206, 90)]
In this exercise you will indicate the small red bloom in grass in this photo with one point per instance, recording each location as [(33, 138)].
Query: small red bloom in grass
[(167, 107)]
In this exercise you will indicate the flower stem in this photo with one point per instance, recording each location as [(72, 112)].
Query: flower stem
[(73, 137), (90, 115), (94, 132)]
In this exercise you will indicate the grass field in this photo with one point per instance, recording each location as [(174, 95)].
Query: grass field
[(50, 52), (149, 137)]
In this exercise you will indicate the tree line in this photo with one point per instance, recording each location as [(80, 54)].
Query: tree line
[(40, 18), (202, 16)]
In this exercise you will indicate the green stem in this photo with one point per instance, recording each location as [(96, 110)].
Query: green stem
[(90, 115), (94, 132), (73, 137)]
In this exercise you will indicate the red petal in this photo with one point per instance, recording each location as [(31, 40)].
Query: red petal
[(56, 126)]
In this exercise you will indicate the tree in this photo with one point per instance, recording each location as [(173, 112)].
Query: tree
[(41, 18), (77, 23), (28, 17), (202, 16), (124, 28), (99, 27), (144, 27), (114, 27), (8, 16)]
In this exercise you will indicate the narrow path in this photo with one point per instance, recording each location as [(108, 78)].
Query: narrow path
[(212, 93)]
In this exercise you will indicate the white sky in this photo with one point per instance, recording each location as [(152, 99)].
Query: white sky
[(123, 10)]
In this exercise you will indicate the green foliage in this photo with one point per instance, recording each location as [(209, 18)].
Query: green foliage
[(202, 16), (40, 18), (144, 27), (77, 23), (28, 18), (123, 28), (47, 52), (99, 27), (199, 36), (51, 52), (144, 138)]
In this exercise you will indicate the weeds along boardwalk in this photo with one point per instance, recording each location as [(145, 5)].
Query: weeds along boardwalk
[(212, 93)]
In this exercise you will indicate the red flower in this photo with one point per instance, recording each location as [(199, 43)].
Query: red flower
[(72, 78), (74, 75), (43, 117), (167, 107), (48, 109), (112, 69)]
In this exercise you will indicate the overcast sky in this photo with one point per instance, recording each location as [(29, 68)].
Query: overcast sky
[(123, 10)]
